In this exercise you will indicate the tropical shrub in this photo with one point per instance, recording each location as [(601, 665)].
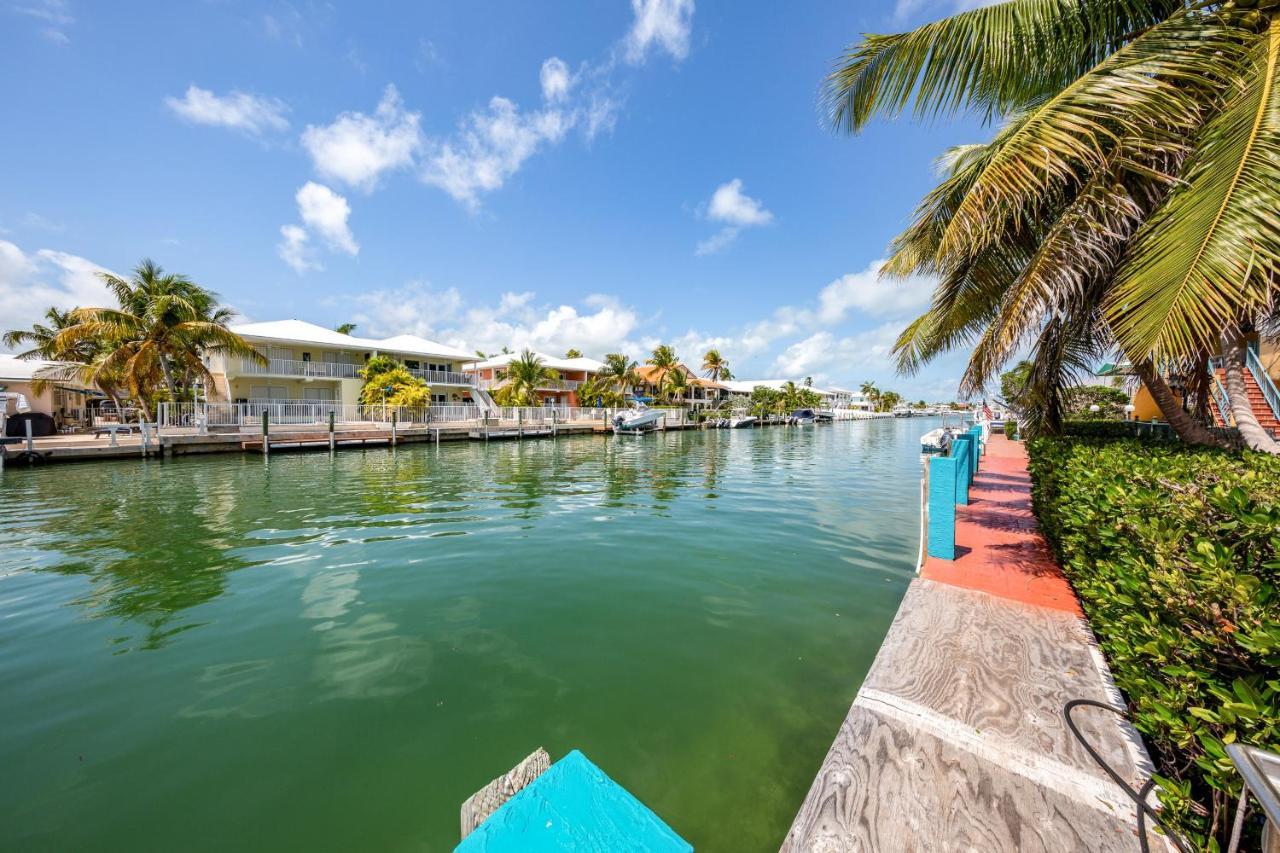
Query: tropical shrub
[(388, 381), (1175, 553), (1011, 430)]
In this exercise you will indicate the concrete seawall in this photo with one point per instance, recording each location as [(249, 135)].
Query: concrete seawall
[(956, 739)]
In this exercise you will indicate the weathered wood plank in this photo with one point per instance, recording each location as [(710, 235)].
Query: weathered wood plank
[(488, 799), (956, 740)]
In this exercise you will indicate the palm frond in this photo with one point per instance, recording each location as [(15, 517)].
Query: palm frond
[(996, 59), (1212, 252)]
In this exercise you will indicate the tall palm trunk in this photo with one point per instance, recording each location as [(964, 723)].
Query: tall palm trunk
[(1255, 437), (1186, 427), (168, 384)]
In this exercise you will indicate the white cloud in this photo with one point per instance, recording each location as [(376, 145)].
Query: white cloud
[(357, 148), (556, 80), (729, 204), (717, 242), (30, 283), (600, 324), (823, 355), (737, 210), (325, 212), (661, 24), (873, 294), (55, 14), (490, 146), (251, 114), (295, 250)]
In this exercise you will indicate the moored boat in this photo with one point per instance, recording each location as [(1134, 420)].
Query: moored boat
[(637, 420)]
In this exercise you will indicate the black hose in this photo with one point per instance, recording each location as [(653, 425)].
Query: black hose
[(1139, 797)]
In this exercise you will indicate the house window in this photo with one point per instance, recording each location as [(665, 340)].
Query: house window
[(412, 364), (258, 393), (306, 356)]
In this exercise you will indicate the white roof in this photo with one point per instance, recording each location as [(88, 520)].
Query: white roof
[(590, 365), (300, 331), (14, 369)]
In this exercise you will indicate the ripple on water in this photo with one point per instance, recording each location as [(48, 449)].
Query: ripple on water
[(383, 631)]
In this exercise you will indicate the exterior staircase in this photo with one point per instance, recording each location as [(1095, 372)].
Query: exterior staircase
[(1258, 401)]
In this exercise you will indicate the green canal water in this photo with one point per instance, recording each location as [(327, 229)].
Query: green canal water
[(331, 653)]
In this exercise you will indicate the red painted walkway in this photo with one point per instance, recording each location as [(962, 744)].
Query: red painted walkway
[(999, 549)]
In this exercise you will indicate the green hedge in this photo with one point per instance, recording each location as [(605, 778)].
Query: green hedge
[(1175, 554)]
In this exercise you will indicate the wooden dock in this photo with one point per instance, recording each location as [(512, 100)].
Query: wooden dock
[(956, 739)]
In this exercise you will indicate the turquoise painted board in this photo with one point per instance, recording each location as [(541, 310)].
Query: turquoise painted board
[(573, 806), (942, 507), (962, 451)]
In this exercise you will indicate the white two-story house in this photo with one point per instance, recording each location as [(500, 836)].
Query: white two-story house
[(309, 363)]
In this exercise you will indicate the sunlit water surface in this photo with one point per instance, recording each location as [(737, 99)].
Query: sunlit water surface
[(331, 653)]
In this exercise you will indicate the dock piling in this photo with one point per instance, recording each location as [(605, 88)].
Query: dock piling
[(944, 486), (393, 428), (332, 443), (266, 444)]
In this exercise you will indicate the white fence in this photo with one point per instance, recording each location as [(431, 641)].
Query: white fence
[(317, 412)]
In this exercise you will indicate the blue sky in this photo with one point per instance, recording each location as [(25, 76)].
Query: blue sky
[(606, 175)]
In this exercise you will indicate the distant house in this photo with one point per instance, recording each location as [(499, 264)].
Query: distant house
[(64, 400), (309, 363), (832, 397), (490, 374), (703, 393)]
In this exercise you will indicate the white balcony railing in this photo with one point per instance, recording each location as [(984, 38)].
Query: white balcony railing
[(290, 367), (339, 370), (548, 385), (444, 377)]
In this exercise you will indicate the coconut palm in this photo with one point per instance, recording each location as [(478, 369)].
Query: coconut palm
[(715, 367), (525, 375), (1128, 199), (573, 353), (598, 391), (73, 363), (158, 335), (41, 339), (675, 384), (620, 371), (664, 361), (345, 328)]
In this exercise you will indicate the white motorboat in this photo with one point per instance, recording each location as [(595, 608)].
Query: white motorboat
[(938, 440), (802, 417), (744, 422), (638, 420)]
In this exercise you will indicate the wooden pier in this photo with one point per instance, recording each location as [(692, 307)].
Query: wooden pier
[(956, 740)]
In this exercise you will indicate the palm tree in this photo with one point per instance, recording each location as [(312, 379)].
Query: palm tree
[(1127, 200), (525, 375), (163, 326), (665, 361), (574, 353), (620, 370), (345, 328), (41, 338), (715, 367), (598, 391), (675, 384), (74, 363), (872, 394)]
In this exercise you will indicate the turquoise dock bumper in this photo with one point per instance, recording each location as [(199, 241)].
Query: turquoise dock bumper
[(573, 806)]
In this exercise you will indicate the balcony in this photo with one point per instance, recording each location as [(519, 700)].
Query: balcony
[(444, 377), (548, 385), (290, 367)]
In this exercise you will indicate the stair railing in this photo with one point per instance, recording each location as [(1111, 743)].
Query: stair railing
[(1269, 392), (1219, 392)]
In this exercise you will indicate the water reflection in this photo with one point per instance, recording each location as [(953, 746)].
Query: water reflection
[(155, 540)]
